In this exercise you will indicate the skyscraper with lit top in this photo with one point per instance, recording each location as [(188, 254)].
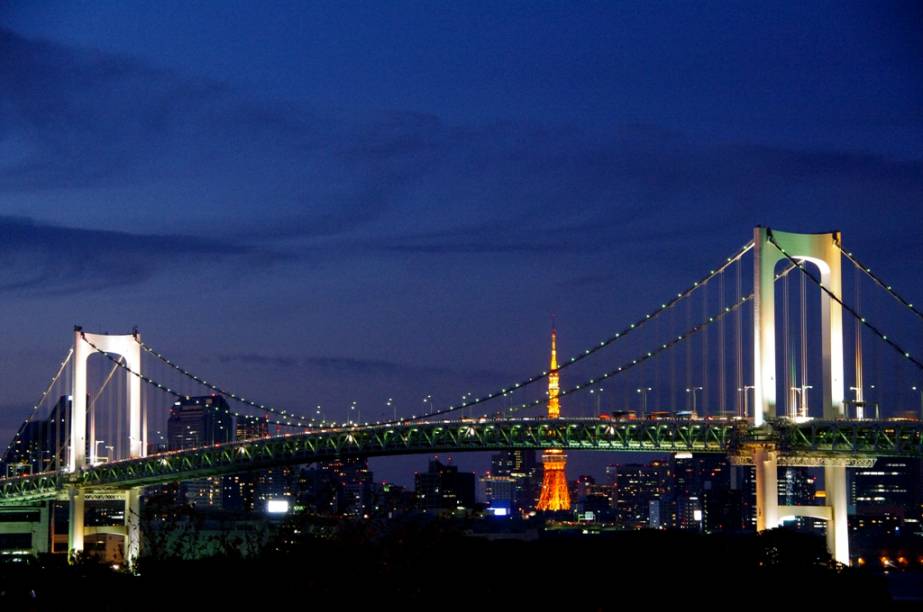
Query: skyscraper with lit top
[(555, 494)]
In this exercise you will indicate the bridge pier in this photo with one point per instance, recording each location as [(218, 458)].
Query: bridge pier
[(32, 520), (769, 513), (132, 544), (766, 464), (837, 525), (75, 522)]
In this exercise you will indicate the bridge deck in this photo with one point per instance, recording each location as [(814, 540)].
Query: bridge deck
[(816, 438)]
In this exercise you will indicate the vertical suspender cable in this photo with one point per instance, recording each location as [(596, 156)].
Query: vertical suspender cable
[(657, 385), (722, 374), (858, 341), (689, 363), (804, 347), (671, 327), (740, 346), (703, 409), (788, 364)]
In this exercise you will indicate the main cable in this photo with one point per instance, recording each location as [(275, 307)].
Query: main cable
[(499, 392), (880, 282), (847, 307)]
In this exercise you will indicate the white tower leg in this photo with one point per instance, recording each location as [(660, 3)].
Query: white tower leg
[(75, 524), (132, 525), (767, 488), (837, 526)]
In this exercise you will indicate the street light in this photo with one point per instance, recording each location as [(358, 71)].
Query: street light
[(354, 409), (464, 404), (599, 394), (389, 405), (804, 400), (643, 391), (744, 389), (857, 401), (920, 391), (429, 398), (98, 442), (692, 390)]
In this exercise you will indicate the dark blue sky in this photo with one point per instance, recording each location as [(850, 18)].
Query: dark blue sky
[(322, 202)]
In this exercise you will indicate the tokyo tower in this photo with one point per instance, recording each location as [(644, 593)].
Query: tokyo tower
[(555, 495)]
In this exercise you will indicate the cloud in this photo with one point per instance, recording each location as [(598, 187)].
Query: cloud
[(353, 366), (391, 184), (41, 259)]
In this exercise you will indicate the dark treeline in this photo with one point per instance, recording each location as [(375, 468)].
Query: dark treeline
[(414, 565)]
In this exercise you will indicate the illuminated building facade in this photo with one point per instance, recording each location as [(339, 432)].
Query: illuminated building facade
[(524, 470), (555, 495), (444, 490), (194, 422), (886, 498), (639, 493)]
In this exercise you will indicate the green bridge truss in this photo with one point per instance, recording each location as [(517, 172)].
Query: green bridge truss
[(834, 439)]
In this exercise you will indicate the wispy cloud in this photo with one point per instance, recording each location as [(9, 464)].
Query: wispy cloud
[(86, 124), (40, 258), (354, 366)]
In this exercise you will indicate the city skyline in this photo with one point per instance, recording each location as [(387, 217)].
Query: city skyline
[(348, 211), (292, 272)]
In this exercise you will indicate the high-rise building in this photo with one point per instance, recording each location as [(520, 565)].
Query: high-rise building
[(40, 444), (195, 422), (342, 487), (594, 501), (702, 496), (499, 492), (886, 498), (555, 495), (443, 489), (242, 491), (199, 421), (524, 471), (639, 490)]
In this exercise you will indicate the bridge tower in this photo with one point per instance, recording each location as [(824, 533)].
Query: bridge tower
[(555, 494), (128, 347), (823, 250)]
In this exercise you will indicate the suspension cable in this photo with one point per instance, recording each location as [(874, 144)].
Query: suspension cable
[(628, 365), (650, 355), (499, 392), (220, 390), (880, 282), (38, 404), (847, 307), (180, 396)]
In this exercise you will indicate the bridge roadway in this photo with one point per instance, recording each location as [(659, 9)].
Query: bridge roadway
[(849, 442)]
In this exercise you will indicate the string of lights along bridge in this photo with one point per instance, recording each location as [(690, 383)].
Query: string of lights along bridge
[(715, 367)]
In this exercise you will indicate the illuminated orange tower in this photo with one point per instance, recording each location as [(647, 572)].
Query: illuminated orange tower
[(555, 495)]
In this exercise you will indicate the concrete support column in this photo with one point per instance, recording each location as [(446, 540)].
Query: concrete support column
[(765, 461), (837, 526), (132, 526), (75, 524)]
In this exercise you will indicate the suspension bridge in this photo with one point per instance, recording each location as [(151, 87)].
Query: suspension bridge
[(97, 430)]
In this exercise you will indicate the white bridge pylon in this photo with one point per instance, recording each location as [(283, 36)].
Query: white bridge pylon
[(823, 250), (128, 347)]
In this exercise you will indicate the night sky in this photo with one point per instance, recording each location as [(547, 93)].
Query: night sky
[(317, 203)]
